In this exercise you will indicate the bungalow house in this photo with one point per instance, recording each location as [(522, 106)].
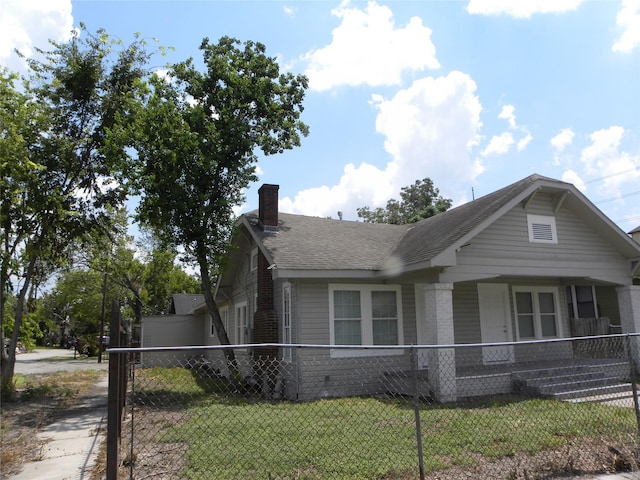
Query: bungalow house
[(534, 260)]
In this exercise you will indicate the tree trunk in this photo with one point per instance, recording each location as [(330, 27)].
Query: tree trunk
[(8, 365), (221, 332)]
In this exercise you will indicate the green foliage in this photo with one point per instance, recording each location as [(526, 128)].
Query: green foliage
[(418, 201), (64, 157), (198, 136), (197, 141), (33, 326)]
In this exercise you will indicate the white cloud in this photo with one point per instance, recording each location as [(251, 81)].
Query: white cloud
[(571, 176), (367, 48), (499, 144), (629, 19), (560, 143), (603, 159), (507, 113), (289, 11), (26, 25), (430, 129), (563, 140), (358, 186), (521, 8), (523, 142)]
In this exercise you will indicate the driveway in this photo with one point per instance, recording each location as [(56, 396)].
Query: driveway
[(54, 360)]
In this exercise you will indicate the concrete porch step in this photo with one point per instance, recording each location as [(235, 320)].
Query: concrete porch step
[(569, 382), (565, 378), (551, 372), (607, 392), (559, 390)]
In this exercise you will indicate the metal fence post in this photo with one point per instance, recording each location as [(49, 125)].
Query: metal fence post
[(416, 409), (113, 399), (634, 388)]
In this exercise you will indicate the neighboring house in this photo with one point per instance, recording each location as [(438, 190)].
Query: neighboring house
[(635, 234), (182, 326), (185, 303)]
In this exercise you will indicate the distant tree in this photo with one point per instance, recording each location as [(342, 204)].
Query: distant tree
[(417, 202), (163, 277), (197, 142), (74, 302)]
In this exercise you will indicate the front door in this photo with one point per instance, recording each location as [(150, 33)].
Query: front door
[(495, 322)]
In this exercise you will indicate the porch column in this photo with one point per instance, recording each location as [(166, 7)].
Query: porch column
[(629, 305), (438, 314)]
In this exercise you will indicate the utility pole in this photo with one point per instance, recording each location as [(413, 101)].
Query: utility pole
[(104, 308)]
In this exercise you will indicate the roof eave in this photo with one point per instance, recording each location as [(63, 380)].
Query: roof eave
[(285, 273)]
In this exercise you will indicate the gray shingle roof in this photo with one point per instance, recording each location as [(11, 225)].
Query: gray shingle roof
[(314, 243), (184, 303)]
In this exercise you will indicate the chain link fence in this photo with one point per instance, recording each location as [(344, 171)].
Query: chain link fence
[(499, 411)]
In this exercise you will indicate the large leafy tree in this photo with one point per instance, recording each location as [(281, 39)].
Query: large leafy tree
[(63, 156), (197, 144), (417, 202)]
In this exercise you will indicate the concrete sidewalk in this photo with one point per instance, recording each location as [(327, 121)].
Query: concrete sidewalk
[(614, 476), (73, 441)]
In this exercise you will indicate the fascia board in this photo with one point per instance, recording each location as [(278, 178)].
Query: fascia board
[(252, 233), (280, 273)]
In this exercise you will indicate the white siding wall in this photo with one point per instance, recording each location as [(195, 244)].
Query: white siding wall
[(171, 331), (504, 249)]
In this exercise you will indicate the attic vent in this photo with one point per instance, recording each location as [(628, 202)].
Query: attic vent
[(542, 229)]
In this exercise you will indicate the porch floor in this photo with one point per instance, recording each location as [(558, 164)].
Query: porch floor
[(504, 368)]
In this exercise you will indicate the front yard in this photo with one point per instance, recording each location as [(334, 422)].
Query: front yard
[(188, 428)]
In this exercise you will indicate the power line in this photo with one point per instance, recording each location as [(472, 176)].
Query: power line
[(613, 175), (611, 199)]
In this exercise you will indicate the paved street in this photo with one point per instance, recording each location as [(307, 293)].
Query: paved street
[(54, 360)]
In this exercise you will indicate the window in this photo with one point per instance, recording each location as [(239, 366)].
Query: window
[(581, 301), (542, 229), (364, 315), (384, 314), (242, 326), (536, 312), (254, 259), (286, 321), (347, 317), (224, 316)]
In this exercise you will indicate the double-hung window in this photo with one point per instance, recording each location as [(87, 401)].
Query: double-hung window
[(364, 315), (286, 321), (242, 324), (224, 316), (536, 310)]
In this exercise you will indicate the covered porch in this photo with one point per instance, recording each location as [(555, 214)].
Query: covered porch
[(563, 369)]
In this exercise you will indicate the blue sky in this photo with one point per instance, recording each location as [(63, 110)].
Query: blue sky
[(474, 94)]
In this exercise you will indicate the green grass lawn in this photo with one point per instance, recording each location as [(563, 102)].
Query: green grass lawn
[(355, 438)]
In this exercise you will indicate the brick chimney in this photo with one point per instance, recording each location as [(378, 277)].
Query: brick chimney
[(268, 206), (265, 319)]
